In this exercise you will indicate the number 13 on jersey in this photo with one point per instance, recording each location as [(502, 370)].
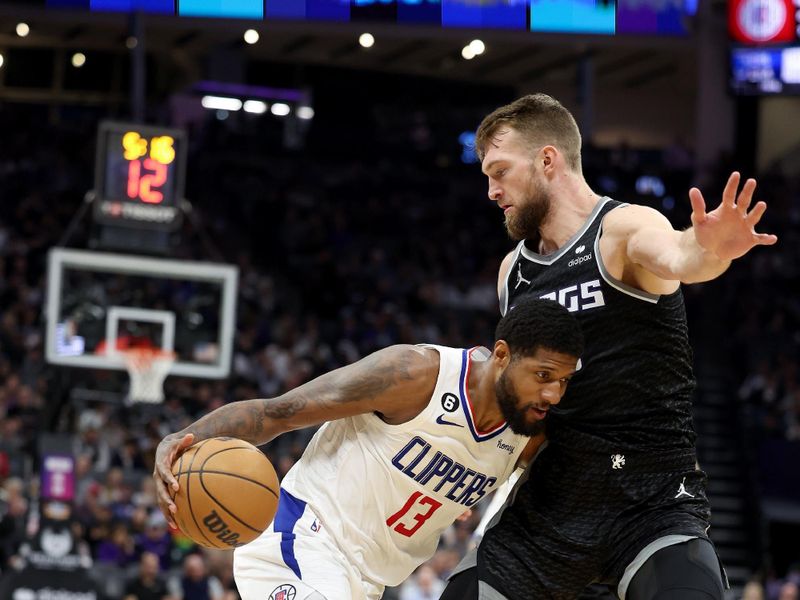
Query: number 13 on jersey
[(418, 509)]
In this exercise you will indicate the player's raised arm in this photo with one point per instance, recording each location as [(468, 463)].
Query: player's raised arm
[(700, 253), (396, 382)]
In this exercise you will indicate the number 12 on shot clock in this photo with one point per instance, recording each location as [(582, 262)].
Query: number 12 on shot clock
[(139, 175), (145, 186)]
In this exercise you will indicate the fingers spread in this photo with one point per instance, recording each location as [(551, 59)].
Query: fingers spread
[(729, 194), (746, 196), (698, 206), (766, 239), (755, 215)]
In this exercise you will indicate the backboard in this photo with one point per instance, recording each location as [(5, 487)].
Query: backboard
[(99, 304)]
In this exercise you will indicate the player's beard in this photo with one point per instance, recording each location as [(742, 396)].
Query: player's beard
[(509, 406), (528, 217)]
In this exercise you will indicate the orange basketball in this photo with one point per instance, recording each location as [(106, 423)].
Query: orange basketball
[(228, 492)]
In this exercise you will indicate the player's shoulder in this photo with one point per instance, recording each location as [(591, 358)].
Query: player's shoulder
[(630, 218), (413, 362), (506, 263), (508, 259)]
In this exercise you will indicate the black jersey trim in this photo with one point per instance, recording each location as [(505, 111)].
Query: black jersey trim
[(615, 283), (551, 258)]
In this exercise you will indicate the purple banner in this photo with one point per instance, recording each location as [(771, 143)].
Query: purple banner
[(58, 477)]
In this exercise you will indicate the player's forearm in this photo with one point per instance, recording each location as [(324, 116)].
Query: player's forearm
[(247, 420), (691, 263)]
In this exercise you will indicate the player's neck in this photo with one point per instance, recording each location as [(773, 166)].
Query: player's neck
[(570, 208), (480, 386)]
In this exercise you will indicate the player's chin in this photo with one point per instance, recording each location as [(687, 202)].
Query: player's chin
[(511, 228), (527, 426)]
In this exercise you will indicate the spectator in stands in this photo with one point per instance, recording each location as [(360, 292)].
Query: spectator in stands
[(92, 443), (195, 583), (753, 590), (444, 561), (789, 591), (423, 585), (13, 512), (119, 548), (156, 539), (98, 524), (220, 565), (129, 457), (148, 583)]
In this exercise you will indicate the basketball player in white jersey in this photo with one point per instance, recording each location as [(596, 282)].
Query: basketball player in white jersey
[(413, 437)]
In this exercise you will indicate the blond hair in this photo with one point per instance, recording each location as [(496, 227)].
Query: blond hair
[(540, 120)]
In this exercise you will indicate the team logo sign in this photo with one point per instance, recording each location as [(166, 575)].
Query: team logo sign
[(56, 543), (283, 592), (760, 21), (449, 402)]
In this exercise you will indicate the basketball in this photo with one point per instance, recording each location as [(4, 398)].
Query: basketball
[(228, 492)]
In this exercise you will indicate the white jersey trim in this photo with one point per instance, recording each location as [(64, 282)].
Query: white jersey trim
[(615, 283), (551, 258)]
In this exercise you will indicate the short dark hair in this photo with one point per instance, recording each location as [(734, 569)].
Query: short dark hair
[(540, 120), (532, 324)]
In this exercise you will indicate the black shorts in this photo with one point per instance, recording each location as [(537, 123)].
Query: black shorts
[(686, 571), (584, 522)]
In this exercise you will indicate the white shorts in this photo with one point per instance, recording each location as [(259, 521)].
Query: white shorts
[(296, 558)]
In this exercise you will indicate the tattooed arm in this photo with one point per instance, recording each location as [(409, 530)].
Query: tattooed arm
[(396, 382)]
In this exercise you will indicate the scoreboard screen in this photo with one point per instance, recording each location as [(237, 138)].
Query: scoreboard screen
[(139, 175), (607, 17), (761, 71), (765, 49)]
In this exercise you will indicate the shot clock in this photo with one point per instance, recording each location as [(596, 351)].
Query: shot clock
[(139, 176)]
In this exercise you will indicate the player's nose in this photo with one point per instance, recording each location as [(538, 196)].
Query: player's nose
[(495, 193), (551, 392)]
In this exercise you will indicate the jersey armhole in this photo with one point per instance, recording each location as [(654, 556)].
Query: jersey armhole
[(615, 283), (504, 293)]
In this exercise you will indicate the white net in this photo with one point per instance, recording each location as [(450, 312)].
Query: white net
[(147, 369)]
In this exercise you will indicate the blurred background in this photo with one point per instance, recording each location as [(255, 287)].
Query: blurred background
[(292, 186)]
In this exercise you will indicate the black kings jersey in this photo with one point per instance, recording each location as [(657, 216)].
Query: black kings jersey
[(621, 441), (633, 390)]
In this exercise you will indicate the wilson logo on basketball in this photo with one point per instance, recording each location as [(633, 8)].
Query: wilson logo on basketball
[(221, 531), (228, 492)]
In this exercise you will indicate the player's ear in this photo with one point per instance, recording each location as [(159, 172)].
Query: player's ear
[(548, 156), (501, 355)]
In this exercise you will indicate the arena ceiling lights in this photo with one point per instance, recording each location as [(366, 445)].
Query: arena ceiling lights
[(257, 100)]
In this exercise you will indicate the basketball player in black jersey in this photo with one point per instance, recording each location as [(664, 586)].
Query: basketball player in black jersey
[(616, 497)]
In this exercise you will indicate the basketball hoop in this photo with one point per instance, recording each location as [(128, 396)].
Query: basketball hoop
[(147, 367)]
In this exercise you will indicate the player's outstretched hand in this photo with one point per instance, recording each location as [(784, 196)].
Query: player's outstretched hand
[(729, 230), (169, 449)]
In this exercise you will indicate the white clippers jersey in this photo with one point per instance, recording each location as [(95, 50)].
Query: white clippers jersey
[(386, 492)]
